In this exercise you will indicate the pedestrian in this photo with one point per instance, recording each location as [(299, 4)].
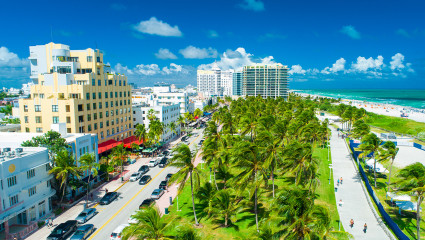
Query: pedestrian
[(340, 202), (106, 190), (46, 222), (341, 180), (51, 222), (365, 228), (351, 223), (337, 182)]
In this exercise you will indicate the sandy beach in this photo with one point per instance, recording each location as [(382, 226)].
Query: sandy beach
[(383, 109)]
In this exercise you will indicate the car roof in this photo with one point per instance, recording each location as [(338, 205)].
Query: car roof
[(120, 228), (88, 210), (146, 176), (165, 182), (157, 190), (85, 227)]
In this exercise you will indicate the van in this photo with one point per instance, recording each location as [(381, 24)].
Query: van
[(116, 234)]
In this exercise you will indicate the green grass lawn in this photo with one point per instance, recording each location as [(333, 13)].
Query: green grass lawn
[(244, 227)]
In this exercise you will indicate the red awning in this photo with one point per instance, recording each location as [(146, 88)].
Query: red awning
[(130, 140), (105, 146)]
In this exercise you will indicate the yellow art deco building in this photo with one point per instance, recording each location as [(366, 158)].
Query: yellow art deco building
[(76, 87)]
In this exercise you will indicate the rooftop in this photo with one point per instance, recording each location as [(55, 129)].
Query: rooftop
[(8, 153), (14, 140)]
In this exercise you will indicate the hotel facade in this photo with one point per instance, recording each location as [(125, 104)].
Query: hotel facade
[(75, 87), (265, 80)]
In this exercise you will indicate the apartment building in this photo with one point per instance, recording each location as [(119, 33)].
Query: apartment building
[(26, 193), (227, 82), (209, 81), (237, 84), (77, 88), (265, 80)]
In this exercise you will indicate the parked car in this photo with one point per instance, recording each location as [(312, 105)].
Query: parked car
[(163, 185), (116, 234), (147, 203), (143, 169), (83, 232), (163, 162), (145, 179), (86, 215), (185, 138), (108, 198), (157, 193), (166, 152), (135, 176), (167, 178), (154, 162), (63, 230), (200, 142)]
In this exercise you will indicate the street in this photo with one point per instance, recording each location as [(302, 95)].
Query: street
[(130, 196)]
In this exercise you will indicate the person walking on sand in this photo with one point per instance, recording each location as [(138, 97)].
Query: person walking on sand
[(365, 228), (351, 223)]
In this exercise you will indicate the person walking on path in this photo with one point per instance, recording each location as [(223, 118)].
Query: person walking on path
[(365, 228), (46, 222), (337, 182), (106, 190), (341, 180), (351, 223)]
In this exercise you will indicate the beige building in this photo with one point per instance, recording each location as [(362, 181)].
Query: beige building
[(76, 87)]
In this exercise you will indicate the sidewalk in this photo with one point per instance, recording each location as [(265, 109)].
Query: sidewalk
[(357, 204), (73, 212)]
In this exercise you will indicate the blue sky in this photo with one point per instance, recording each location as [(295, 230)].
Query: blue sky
[(326, 44)]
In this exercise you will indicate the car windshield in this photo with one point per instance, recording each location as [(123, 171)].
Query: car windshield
[(152, 161), (134, 175), (114, 234), (57, 231), (145, 178), (83, 214)]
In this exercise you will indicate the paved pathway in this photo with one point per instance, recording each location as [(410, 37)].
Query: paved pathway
[(356, 201)]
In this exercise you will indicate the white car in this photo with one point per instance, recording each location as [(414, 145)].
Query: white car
[(154, 162), (135, 176), (116, 234)]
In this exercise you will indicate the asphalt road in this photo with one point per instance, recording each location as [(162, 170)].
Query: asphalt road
[(130, 196)]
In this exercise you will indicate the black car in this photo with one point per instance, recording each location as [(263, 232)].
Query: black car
[(163, 162), (145, 179), (108, 198), (147, 203), (166, 152), (163, 185), (63, 230), (200, 142), (144, 169), (167, 178), (185, 138)]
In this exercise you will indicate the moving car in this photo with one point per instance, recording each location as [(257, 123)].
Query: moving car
[(163, 162), (63, 230), (116, 234), (86, 215), (83, 232), (108, 198), (143, 169), (168, 177), (154, 162), (157, 193), (145, 179), (135, 176), (147, 203), (200, 142), (163, 185), (166, 152)]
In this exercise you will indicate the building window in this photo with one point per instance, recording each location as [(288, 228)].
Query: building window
[(113, 131), (106, 104), (107, 113), (68, 109), (111, 95), (42, 208), (87, 96), (38, 119), (112, 103), (99, 83), (30, 173), (11, 181), (39, 130), (116, 94), (80, 107), (13, 200), (100, 105), (94, 106), (101, 135), (27, 129), (37, 108), (88, 117), (55, 108), (101, 124), (94, 116), (107, 132), (107, 123), (80, 118), (94, 95), (88, 106), (89, 58), (106, 95), (93, 82), (112, 122), (25, 108), (98, 59), (32, 191), (95, 126), (68, 119), (55, 119), (47, 167), (89, 128), (68, 130), (101, 115), (120, 94), (26, 119)]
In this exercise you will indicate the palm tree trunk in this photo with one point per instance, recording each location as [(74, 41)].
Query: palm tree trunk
[(193, 199), (88, 190), (389, 177), (215, 181), (374, 168), (418, 217), (255, 208), (226, 218), (63, 191), (273, 182)]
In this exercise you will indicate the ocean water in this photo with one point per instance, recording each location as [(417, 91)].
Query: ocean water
[(403, 97)]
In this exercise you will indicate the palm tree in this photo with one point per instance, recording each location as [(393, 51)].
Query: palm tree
[(181, 121), (248, 160), (141, 133), (119, 154), (149, 225), (198, 112), (370, 144), (300, 161), (187, 233), (151, 115), (88, 163), (412, 182), (206, 194), (325, 230), (225, 206), (389, 151), (64, 168), (173, 128), (184, 160)]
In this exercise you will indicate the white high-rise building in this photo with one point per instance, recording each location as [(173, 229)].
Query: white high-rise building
[(215, 81), (227, 82)]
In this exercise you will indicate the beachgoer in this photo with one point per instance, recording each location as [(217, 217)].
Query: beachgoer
[(351, 223), (341, 180), (365, 228), (340, 202)]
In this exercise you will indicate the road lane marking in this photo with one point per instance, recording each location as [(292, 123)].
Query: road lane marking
[(129, 201)]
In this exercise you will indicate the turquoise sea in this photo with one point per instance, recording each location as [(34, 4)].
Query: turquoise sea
[(403, 97)]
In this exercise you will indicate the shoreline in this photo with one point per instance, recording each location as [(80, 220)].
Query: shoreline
[(392, 110)]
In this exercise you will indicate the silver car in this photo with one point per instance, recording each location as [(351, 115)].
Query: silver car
[(85, 215), (157, 193), (83, 232)]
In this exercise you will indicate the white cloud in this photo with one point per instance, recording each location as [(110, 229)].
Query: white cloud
[(254, 5), (14, 71), (164, 53), (397, 62), (237, 59), (150, 69), (174, 68), (212, 34), (10, 59), (368, 64), (154, 26), (403, 33), (198, 53), (338, 66), (297, 69), (351, 32)]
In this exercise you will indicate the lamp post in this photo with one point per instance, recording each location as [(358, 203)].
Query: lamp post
[(330, 173)]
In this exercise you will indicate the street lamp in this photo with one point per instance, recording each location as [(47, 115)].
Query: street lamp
[(330, 173)]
